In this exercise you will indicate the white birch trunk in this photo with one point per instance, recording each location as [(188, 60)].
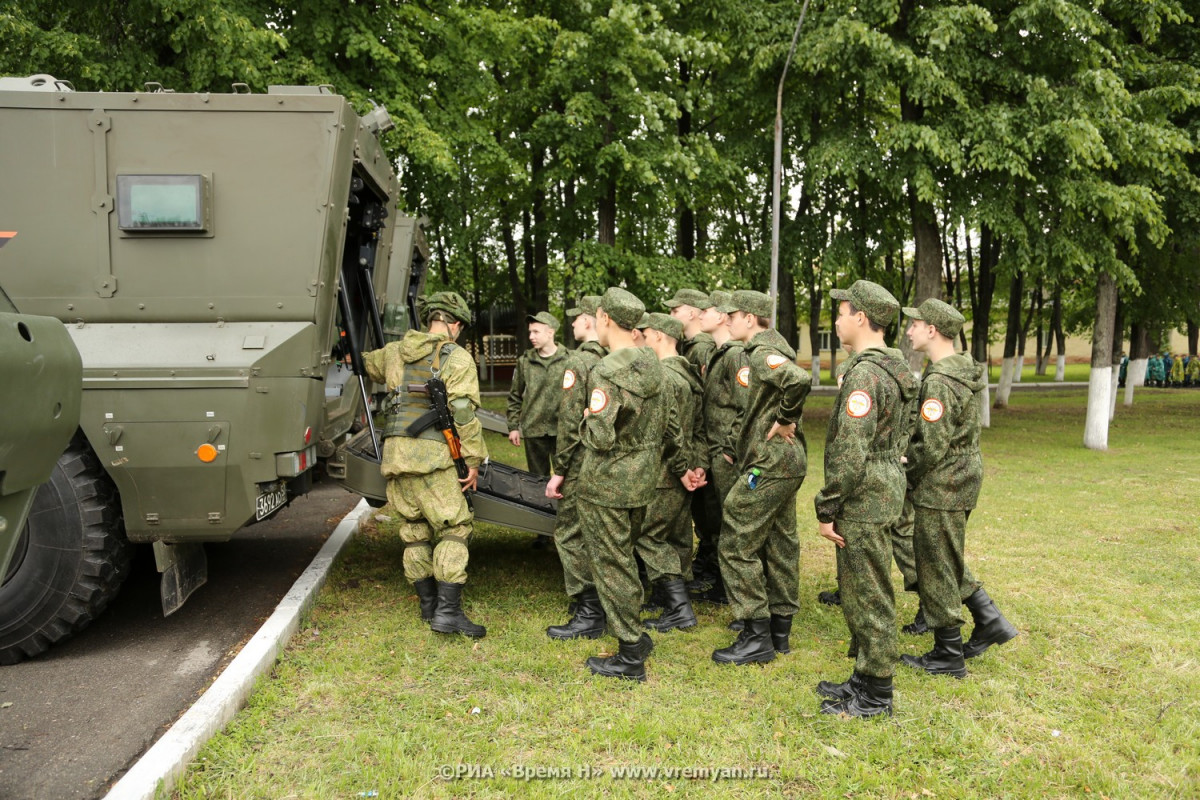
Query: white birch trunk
[(1136, 376), (1006, 381), (1060, 368), (1095, 431), (816, 371), (1018, 368), (1113, 380)]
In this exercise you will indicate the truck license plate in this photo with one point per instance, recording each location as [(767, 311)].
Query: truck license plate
[(269, 501)]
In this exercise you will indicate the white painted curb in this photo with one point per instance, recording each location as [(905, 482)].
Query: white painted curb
[(162, 765)]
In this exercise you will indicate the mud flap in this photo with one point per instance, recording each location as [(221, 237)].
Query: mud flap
[(184, 569)]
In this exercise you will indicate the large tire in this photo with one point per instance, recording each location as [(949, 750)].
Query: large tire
[(72, 558)]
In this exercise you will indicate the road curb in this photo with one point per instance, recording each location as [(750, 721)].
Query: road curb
[(161, 766)]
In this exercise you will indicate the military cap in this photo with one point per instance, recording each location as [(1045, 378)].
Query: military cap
[(688, 297), (663, 323), (623, 307), (717, 299), (587, 305), (448, 302), (942, 316), (870, 298), (546, 318), (748, 302)]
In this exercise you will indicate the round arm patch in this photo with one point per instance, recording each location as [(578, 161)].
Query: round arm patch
[(743, 376), (568, 379), (932, 410), (858, 404), (776, 361), (599, 401)]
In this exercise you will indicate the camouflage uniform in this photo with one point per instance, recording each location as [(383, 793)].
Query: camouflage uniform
[(568, 536), (422, 482), (763, 518), (623, 437), (864, 496), (533, 402), (725, 391), (665, 543), (945, 472)]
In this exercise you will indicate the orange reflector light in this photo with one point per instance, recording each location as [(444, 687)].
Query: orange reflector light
[(206, 453)]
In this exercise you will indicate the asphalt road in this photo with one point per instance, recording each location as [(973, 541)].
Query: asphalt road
[(75, 718)]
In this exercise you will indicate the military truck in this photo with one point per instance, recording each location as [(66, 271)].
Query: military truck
[(221, 261)]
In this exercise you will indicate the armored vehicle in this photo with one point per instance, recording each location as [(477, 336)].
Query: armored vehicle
[(220, 261)]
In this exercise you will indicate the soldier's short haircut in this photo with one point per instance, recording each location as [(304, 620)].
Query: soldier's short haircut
[(875, 326)]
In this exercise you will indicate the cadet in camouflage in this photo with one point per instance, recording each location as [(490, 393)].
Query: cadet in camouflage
[(423, 486), (665, 543), (588, 619), (863, 494), (534, 397), (624, 431), (759, 547), (945, 471)]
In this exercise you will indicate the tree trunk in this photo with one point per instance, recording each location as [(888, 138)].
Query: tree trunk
[(814, 322), (685, 233), (1019, 371), (514, 276), (983, 290), (1193, 334), (1060, 338), (541, 235), (785, 320), (833, 345), (1015, 293), (1095, 432), (1118, 340)]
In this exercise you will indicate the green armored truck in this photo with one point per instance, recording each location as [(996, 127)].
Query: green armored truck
[(221, 262)]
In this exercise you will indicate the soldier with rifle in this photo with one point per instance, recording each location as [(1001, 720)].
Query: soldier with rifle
[(432, 448)]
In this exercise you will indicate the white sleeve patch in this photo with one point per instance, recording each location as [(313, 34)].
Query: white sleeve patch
[(599, 401), (858, 404), (932, 410), (568, 379)]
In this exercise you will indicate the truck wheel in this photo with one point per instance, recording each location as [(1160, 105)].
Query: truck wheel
[(71, 560)]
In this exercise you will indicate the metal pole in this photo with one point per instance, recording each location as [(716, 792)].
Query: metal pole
[(777, 169)]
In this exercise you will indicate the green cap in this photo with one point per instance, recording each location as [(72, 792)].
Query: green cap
[(587, 305), (448, 302), (870, 298), (942, 316), (748, 302), (688, 297), (717, 299), (546, 318), (663, 323), (624, 308)]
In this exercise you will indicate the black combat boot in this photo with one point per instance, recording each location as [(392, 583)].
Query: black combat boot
[(654, 598), (990, 625), (918, 627), (449, 616), (427, 594), (677, 609), (587, 622), (830, 598), (628, 663), (781, 629), (871, 697), (752, 646), (715, 593), (840, 691), (946, 657)]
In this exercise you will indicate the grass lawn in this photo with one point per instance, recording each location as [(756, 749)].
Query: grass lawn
[(1094, 556)]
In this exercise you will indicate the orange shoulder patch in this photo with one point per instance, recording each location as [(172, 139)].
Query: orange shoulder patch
[(858, 404)]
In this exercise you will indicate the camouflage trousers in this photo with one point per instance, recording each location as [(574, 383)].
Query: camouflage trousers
[(609, 534), (538, 451), (944, 578), (568, 540), (760, 548), (721, 476), (902, 547), (661, 543), (435, 527), (868, 602)]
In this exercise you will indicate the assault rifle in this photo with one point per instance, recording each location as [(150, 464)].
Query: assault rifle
[(439, 415)]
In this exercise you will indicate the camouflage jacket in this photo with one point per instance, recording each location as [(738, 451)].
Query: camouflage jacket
[(687, 397), (698, 350), (945, 467), (533, 399), (724, 397), (776, 393), (572, 402), (629, 423), (405, 456), (867, 435)]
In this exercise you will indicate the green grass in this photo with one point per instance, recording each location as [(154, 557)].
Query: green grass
[(1094, 556)]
